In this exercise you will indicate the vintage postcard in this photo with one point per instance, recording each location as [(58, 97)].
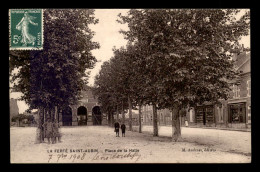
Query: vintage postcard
[(130, 86)]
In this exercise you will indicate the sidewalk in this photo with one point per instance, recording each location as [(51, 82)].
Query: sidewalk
[(226, 140), (217, 128), (205, 127)]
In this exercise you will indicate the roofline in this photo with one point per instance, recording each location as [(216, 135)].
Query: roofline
[(243, 63)]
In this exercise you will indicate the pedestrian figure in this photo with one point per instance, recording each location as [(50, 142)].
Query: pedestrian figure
[(117, 128), (123, 129), (48, 126), (56, 132), (186, 122)]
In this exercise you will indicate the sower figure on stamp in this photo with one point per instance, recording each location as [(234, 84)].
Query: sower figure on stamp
[(48, 126), (23, 25), (123, 129), (117, 128), (56, 132)]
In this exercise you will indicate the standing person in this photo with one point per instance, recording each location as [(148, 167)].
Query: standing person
[(48, 126), (123, 129), (117, 128), (56, 132), (186, 122)]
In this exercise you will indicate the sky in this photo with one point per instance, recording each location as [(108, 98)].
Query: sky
[(107, 35)]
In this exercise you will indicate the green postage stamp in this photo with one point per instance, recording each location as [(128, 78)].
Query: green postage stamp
[(26, 29)]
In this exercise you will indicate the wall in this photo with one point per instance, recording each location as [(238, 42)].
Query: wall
[(88, 101), (14, 110)]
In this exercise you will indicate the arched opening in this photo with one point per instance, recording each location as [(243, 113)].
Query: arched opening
[(67, 116), (82, 115), (96, 115)]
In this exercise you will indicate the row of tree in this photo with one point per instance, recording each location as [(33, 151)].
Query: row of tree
[(52, 78), (175, 59), (20, 117)]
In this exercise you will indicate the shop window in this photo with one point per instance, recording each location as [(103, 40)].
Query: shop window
[(204, 114), (249, 88), (237, 113), (200, 115), (209, 114)]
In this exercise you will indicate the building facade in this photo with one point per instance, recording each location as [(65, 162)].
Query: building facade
[(232, 113), (239, 104), (86, 112), (164, 116)]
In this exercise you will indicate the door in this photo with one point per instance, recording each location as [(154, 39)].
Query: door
[(200, 115)]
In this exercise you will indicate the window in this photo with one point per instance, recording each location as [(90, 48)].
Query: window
[(191, 114), (249, 114), (237, 113), (236, 91), (249, 88)]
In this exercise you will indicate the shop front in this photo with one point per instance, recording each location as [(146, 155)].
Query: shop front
[(205, 115), (237, 115)]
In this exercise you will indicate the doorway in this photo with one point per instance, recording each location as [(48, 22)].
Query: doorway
[(67, 116), (82, 115), (96, 115)]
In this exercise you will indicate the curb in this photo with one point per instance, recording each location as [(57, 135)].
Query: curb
[(229, 129)]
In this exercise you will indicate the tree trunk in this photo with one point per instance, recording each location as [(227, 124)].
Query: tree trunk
[(176, 127), (108, 119), (43, 117), (123, 113), (130, 113), (39, 139), (117, 113), (43, 121), (155, 124), (52, 113), (112, 119), (140, 118), (56, 112)]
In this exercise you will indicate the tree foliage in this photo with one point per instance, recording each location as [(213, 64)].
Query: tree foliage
[(187, 58), (113, 84), (55, 75), (176, 58)]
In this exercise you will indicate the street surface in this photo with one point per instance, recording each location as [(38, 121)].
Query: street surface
[(98, 144), (231, 141)]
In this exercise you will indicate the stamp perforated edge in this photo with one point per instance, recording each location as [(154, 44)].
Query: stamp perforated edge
[(25, 48)]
